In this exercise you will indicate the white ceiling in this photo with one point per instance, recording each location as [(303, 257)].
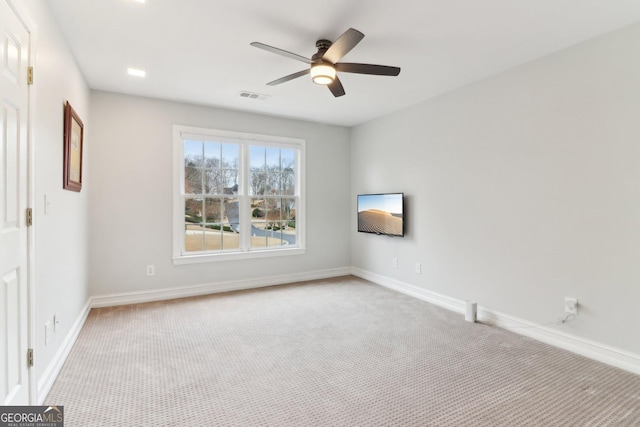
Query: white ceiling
[(198, 51)]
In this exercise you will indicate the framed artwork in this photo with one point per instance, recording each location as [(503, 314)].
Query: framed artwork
[(73, 135)]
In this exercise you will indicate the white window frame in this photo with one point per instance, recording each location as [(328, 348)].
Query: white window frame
[(181, 132)]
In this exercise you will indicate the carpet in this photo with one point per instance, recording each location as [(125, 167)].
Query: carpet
[(336, 352)]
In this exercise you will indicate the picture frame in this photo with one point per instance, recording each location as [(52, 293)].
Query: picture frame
[(73, 141)]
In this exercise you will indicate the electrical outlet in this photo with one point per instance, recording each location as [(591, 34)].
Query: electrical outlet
[(418, 268), (395, 263), (151, 270), (570, 305)]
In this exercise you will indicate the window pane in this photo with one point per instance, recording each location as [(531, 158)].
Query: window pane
[(288, 160), (193, 211), (213, 238), (192, 180), (273, 184), (229, 169), (257, 209), (290, 226), (257, 182), (258, 223), (193, 153), (229, 181), (288, 182), (232, 214), (273, 210), (212, 155), (273, 159), (213, 210), (230, 154), (258, 234), (256, 157), (193, 238), (274, 234), (230, 237), (289, 235), (288, 209), (212, 181), (258, 176)]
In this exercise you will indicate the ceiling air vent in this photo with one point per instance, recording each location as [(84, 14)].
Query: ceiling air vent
[(253, 95)]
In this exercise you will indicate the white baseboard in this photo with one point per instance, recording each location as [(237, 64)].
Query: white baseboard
[(211, 288), (584, 347), (591, 349), (411, 290), (53, 369)]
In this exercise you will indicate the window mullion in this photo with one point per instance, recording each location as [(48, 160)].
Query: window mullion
[(202, 175), (183, 224), (245, 199)]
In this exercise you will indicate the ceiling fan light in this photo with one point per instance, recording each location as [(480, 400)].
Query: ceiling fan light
[(323, 74)]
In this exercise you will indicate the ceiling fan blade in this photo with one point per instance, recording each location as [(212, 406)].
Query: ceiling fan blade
[(343, 45), (336, 87), (378, 70), (289, 77), (281, 52)]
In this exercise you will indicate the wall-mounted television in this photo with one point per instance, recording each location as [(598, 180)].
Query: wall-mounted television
[(381, 214)]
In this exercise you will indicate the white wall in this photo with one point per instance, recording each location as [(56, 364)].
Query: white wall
[(61, 235), (522, 189), (131, 199)]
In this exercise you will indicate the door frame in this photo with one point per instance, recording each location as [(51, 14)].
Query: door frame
[(29, 25)]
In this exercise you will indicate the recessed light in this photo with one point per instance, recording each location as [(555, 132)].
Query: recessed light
[(135, 72), (139, 1)]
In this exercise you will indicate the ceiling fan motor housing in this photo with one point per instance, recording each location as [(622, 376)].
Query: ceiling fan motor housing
[(322, 46)]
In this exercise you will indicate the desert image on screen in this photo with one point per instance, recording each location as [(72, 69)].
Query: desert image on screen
[(380, 214)]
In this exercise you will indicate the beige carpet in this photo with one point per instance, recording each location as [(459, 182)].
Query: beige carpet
[(340, 352)]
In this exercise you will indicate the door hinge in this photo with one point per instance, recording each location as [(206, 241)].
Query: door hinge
[(30, 357), (30, 75), (29, 217)]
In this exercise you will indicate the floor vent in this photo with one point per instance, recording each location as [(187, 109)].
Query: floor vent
[(253, 95)]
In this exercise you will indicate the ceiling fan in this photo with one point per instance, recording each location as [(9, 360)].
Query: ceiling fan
[(324, 64)]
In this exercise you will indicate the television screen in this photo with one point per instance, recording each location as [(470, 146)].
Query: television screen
[(381, 214)]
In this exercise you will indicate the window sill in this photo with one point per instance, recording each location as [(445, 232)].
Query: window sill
[(233, 256)]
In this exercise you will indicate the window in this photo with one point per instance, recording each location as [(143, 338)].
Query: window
[(236, 195)]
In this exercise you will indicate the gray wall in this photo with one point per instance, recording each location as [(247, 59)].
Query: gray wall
[(131, 199), (522, 189)]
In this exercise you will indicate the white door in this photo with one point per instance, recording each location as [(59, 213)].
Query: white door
[(14, 97)]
